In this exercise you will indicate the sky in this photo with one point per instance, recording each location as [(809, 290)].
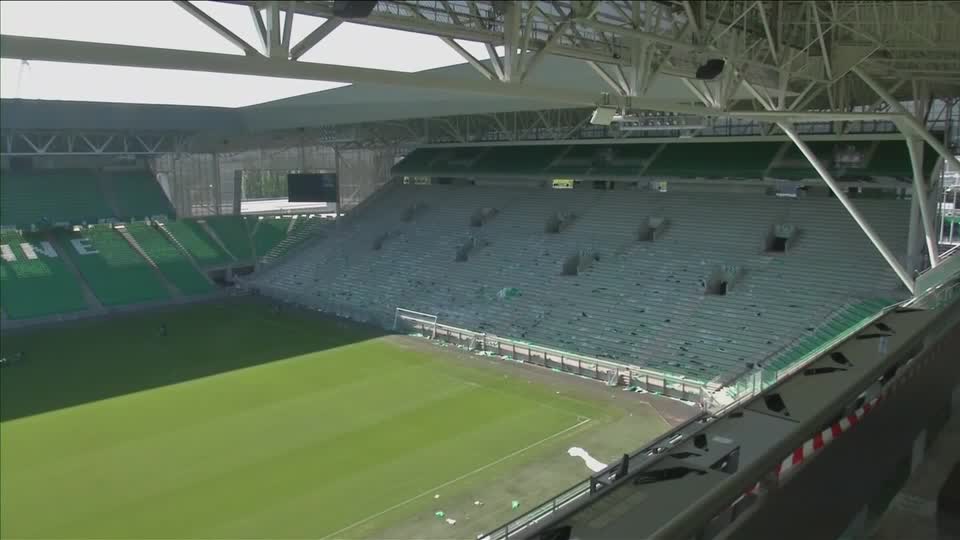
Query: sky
[(164, 24)]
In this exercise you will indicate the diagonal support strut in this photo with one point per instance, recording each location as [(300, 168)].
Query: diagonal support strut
[(851, 208)]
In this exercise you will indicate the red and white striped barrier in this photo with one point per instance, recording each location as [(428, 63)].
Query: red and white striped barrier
[(818, 442)]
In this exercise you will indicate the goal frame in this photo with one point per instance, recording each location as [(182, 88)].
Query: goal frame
[(429, 320)]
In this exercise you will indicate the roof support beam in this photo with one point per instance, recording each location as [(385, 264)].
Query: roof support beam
[(454, 45), (700, 92), (472, 60), (494, 60), (214, 25), (764, 102), (56, 50), (848, 204), (314, 37), (806, 95), (823, 41), (259, 26), (906, 121), (511, 40), (915, 147), (274, 31), (605, 77), (768, 31), (288, 25), (532, 61)]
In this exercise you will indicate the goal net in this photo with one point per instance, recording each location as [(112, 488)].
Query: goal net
[(424, 323)]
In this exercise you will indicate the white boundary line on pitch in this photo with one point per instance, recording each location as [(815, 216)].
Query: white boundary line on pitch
[(457, 479)]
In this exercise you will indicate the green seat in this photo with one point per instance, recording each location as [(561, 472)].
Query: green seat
[(115, 271), (792, 165), (195, 240), (516, 159), (714, 160), (891, 158), (837, 325), (51, 196), (270, 232), (36, 287), (232, 231), (303, 229), (416, 162), (170, 260), (138, 194)]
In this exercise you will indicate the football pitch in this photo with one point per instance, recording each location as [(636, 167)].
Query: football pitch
[(245, 423)]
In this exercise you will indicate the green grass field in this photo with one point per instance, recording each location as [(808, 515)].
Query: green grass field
[(242, 423)]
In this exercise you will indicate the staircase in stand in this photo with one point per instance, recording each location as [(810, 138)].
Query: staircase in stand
[(171, 288), (91, 299), (186, 253), (299, 236), (209, 230)]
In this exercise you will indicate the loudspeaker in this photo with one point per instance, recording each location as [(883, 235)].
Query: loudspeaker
[(710, 69), (603, 116), (353, 9)]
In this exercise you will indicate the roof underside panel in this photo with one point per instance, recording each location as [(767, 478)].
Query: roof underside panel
[(733, 160), (21, 114)]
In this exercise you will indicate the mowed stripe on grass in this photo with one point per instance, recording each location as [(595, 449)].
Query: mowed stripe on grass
[(298, 447)]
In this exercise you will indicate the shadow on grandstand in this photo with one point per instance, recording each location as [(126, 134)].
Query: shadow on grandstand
[(86, 361)]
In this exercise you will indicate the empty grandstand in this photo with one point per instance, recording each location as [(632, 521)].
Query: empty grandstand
[(67, 251), (727, 230), (645, 303)]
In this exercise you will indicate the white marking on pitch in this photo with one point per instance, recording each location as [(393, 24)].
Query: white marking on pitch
[(591, 462), (457, 479)]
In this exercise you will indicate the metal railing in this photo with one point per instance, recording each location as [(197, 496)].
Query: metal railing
[(567, 362), (598, 481), (934, 298)]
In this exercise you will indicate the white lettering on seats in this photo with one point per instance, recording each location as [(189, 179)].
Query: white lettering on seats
[(43, 248), (83, 246), (6, 253)]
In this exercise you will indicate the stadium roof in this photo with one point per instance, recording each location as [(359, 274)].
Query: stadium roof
[(345, 105), (790, 61)]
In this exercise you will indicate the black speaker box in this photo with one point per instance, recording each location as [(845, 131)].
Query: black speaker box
[(353, 9), (710, 69)]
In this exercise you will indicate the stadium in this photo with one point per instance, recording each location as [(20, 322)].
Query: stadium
[(480, 269)]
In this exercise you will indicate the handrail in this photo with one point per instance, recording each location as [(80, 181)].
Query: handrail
[(609, 364), (704, 420), (813, 355), (751, 372), (950, 252), (584, 487)]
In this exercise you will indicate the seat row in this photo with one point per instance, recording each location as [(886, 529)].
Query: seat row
[(638, 301)]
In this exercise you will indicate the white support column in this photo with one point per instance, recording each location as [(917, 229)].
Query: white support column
[(907, 122), (891, 259), (914, 232), (287, 27), (215, 25), (511, 37), (215, 180), (314, 37), (494, 60), (472, 60), (274, 31), (605, 77), (915, 146)]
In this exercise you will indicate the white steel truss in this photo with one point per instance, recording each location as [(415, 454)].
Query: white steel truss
[(100, 143), (792, 47)]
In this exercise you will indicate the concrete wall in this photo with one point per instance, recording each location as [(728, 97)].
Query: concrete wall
[(866, 467)]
